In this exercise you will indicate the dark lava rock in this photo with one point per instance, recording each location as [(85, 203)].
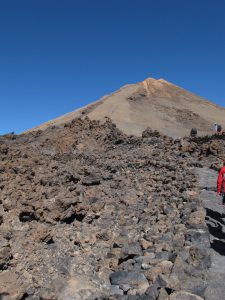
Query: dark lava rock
[(136, 280), (87, 211)]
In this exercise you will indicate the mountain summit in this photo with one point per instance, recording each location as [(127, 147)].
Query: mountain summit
[(157, 104)]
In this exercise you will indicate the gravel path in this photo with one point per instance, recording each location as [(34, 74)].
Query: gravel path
[(215, 220)]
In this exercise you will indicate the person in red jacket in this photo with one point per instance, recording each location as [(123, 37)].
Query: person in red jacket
[(221, 183)]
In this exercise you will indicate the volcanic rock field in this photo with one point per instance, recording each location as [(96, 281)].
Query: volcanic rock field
[(88, 212)]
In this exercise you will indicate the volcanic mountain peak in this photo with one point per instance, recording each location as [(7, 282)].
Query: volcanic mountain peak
[(153, 86), (155, 82), (150, 83), (154, 103)]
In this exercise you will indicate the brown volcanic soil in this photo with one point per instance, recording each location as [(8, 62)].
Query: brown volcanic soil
[(158, 104), (87, 212)]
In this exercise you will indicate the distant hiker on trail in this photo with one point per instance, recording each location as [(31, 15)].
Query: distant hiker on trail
[(219, 129), (215, 127), (221, 183), (193, 132)]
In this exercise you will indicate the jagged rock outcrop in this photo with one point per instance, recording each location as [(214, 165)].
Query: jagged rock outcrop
[(87, 212)]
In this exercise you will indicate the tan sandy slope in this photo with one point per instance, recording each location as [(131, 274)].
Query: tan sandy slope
[(155, 103)]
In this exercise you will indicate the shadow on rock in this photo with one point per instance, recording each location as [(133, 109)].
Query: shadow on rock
[(218, 246), (215, 215), (217, 231), (215, 223)]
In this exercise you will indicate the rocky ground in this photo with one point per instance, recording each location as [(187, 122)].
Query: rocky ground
[(87, 212)]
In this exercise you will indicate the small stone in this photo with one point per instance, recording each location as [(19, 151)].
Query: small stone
[(5, 256), (125, 287), (162, 294), (132, 249), (178, 240), (132, 292), (165, 266), (197, 217), (149, 255), (135, 279), (16, 256), (115, 290), (153, 273), (91, 180), (153, 291), (183, 296), (145, 266), (191, 193), (145, 244)]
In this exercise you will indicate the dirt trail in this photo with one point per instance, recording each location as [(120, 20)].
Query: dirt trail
[(215, 220)]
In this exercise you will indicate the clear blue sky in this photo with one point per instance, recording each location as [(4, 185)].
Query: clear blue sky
[(58, 55)]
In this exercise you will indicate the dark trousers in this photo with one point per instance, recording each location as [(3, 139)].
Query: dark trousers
[(223, 198)]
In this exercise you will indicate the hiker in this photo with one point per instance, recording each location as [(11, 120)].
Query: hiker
[(219, 129), (221, 183), (215, 128), (193, 132)]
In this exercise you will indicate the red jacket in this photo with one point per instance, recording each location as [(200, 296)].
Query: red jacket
[(221, 181)]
